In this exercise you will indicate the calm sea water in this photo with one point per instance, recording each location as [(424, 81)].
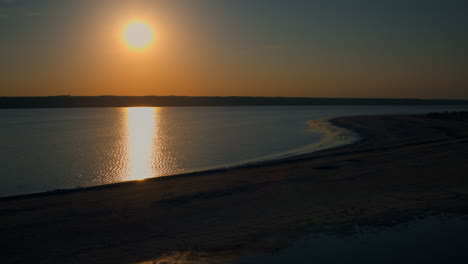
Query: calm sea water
[(435, 239), (47, 149)]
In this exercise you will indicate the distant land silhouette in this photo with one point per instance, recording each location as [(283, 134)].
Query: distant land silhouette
[(67, 101)]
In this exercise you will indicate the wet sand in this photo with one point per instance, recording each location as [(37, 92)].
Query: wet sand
[(405, 167)]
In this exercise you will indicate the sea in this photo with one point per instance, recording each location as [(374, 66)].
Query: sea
[(49, 149), (431, 239)]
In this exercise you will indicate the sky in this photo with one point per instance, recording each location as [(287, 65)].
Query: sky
[(306, 48)]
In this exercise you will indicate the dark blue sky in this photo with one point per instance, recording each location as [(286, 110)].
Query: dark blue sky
[(237, 47)]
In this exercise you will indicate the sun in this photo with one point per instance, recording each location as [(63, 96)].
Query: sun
[(138, 35)]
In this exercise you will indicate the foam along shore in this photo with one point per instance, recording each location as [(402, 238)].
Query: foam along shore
[(403, 167), (332, 136)]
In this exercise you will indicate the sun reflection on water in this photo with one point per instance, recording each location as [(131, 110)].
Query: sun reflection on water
[(142, 130)]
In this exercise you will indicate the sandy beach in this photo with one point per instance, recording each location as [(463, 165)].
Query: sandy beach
[(404, 167)]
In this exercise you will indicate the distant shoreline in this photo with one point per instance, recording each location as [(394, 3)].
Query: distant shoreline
[(405, 166), (181, 101)]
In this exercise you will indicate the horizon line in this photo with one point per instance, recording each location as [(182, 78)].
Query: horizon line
[(239, 96)]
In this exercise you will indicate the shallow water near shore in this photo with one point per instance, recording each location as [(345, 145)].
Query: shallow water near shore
[(433, 239), (437, 238), (48, 149)]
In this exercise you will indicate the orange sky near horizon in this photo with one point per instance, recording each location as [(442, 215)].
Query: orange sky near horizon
[(249, 50)]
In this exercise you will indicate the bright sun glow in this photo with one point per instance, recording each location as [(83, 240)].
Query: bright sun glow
[(138, 35)]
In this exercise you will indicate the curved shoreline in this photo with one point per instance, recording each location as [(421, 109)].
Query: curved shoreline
[(334, 137), (327, 126), (404, 167)]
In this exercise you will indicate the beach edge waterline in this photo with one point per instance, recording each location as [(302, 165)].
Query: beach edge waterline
[(407, 166), (327, 126)]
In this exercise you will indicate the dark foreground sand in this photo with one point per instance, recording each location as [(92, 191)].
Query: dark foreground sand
[(406, 166)]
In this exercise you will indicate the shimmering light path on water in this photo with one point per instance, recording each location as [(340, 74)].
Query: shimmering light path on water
[(142, 132), (48, 149)]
